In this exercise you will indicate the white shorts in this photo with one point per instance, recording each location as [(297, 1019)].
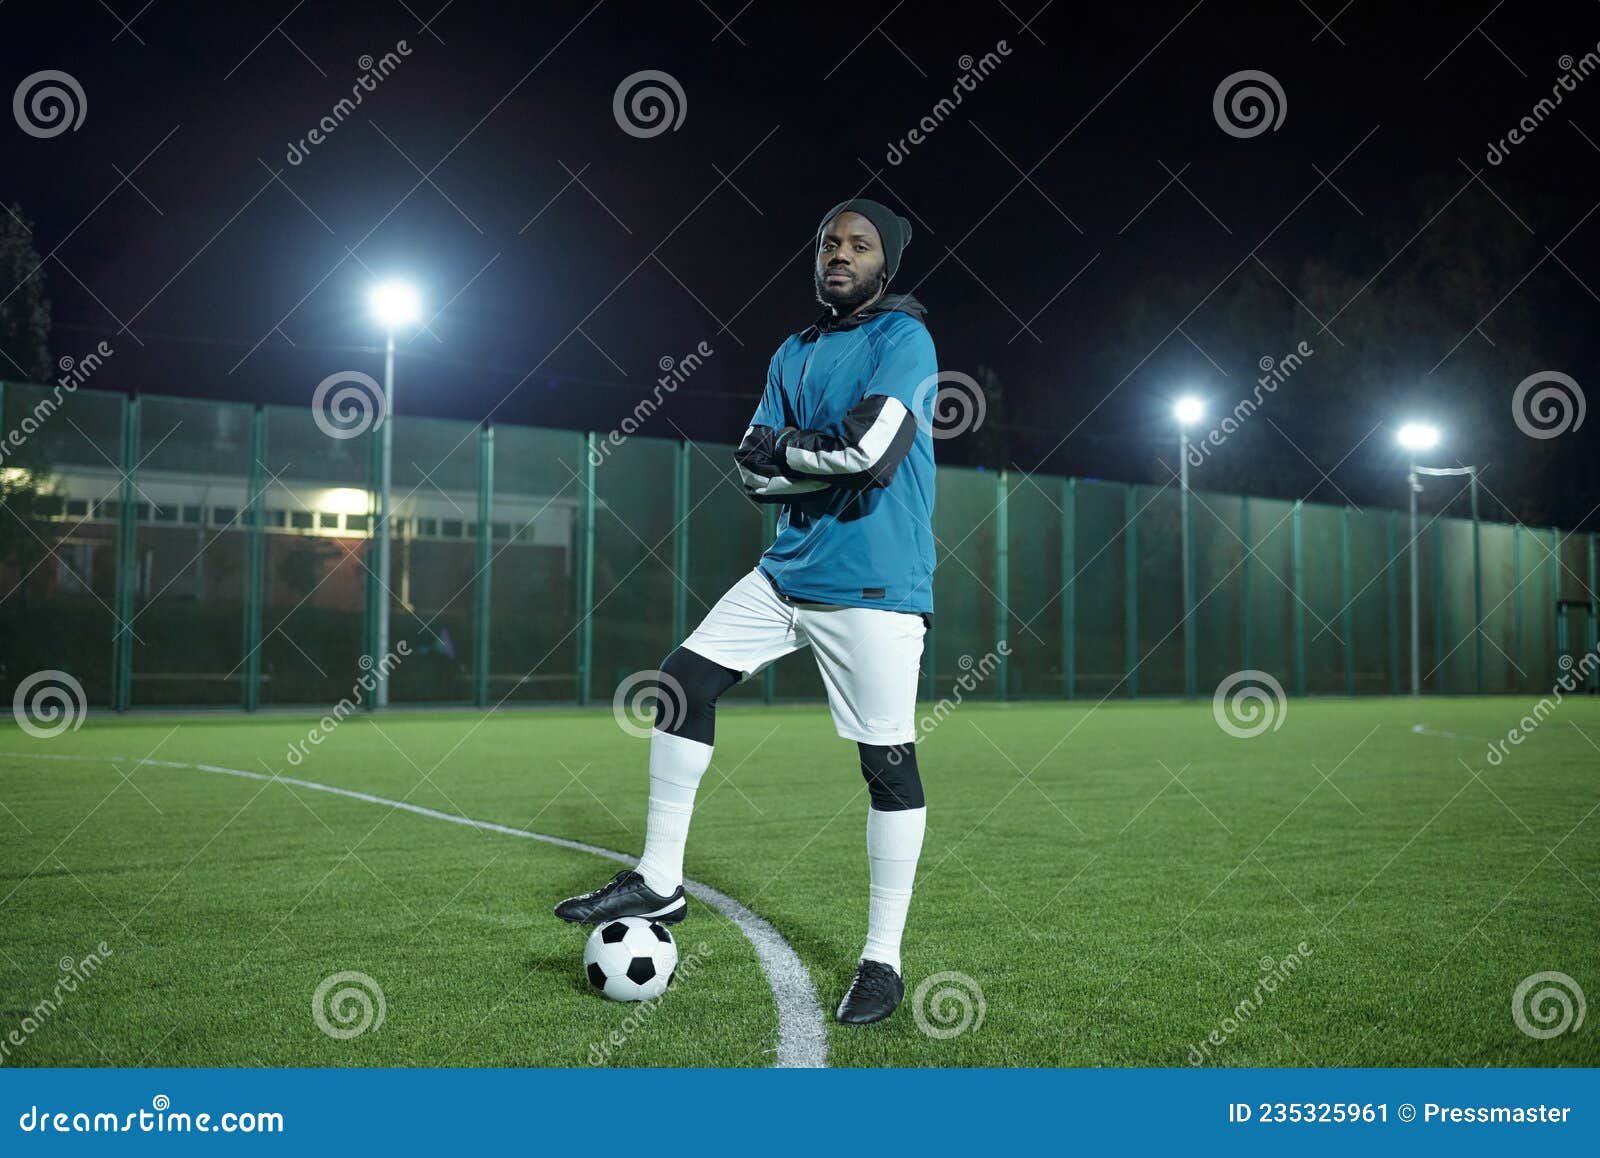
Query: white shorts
[(868, 658)]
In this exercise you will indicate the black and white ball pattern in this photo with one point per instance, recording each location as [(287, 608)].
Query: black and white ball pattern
[(630, 959)]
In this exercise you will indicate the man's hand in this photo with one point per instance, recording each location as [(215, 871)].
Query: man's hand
[(760, 461), (761, 451)]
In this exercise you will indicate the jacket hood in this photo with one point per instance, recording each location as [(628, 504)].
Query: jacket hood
[(887, 304)]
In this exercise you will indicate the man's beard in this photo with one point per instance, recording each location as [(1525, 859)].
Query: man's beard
[(846, 300)]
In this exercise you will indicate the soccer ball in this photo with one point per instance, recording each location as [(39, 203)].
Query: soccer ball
[(630, 959)]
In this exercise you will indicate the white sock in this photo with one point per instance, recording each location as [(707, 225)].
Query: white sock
[(676, 766), (894, 841)]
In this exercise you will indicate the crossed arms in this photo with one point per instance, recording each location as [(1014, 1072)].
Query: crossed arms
[(778, 464)]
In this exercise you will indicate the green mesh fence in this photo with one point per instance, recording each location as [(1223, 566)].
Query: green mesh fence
[(314, 587), (1036, 585), (60, 548), (534, 575), (190, 596), (169, 552), (967, 516)]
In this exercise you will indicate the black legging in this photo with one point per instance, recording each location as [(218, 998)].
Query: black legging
[(890, 770)]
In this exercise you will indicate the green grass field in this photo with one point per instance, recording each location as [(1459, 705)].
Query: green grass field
[(1116, 881)]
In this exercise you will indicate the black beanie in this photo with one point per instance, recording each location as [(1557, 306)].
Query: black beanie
[(894, 230)]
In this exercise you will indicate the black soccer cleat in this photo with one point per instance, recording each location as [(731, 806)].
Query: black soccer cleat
[(874, 994), (624, 895)]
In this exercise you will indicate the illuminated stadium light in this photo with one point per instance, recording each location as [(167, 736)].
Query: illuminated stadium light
[(1188, 410), (396, 304), (1419, 436)]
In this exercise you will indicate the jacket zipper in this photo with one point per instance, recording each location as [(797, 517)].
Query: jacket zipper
[(800, 389)]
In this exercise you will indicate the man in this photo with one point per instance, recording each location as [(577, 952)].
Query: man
[(842, 441)]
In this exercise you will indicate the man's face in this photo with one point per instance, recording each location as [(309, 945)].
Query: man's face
[(849, 271)]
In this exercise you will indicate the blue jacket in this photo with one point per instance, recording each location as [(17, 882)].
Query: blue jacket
[(843, 440)]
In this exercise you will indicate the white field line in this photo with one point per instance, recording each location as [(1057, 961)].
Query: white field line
[(1421, 730), (802, 1035)]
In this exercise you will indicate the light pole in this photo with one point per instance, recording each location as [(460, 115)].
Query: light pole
[(394, 304), (1187, 410), (1415, 437)]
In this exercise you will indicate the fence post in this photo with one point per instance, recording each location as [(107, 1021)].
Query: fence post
[(1069, 591), (480, 587), (1477, 589), (1393, 586), (1298, 575), (1438, 605), (255, 561), (1516, 595), (1002, 605), (127, 564), (1244, 583), (369, 612), (680, 542), (1130, 598), (1186, 583), (1594, 605), (1555, 588), (1347, 616), (586, 572)]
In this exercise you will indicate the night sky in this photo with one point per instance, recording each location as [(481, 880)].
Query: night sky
[(1089, 240)]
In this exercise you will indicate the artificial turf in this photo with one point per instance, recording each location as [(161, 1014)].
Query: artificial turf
[(1115, 879)]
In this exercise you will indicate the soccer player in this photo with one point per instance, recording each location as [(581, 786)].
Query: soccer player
[(842, 441)]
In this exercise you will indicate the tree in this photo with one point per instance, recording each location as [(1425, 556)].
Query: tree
[(24, 354), (25, 313)]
